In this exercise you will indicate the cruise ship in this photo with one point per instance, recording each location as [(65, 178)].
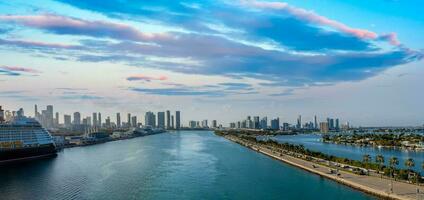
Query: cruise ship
[(23, 138)]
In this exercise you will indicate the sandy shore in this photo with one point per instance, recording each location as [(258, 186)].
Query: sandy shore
[(370, 184)]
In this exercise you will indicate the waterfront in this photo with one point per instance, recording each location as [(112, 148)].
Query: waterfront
[(313, 142), (176, 165)]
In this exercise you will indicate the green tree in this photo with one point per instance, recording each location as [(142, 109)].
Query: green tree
[(393, 162), (409, 163), (366, 159), (380, 160)]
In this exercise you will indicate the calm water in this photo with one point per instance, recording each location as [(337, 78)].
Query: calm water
[(312, 142), (181, 165)]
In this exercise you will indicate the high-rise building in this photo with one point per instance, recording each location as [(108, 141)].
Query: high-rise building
[(172, 122), (67, 121), (150, 119), (177, 120), (95, 119), (192, 124), (89, 121), (107, 123), (337, 126), (205, 124), (214, 124), (161, 120), (323, 126), (36, 114), (256, 122), (168, 119), (315, 122), (49, 117), (299, 122), (275, 124), (129, 119), (99, 120), (264, 123), (77, 118), (134, 121), (118, 120), (2, 117), (56, 120)]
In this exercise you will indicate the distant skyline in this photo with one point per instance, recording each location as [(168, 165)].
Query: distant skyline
[(360, 61)]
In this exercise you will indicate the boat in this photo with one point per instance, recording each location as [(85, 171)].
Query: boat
[(23, 138)]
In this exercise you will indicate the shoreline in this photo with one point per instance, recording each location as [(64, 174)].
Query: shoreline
[(368, 184), (106, 141)]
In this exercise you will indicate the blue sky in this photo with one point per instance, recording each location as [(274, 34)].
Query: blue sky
[(360, 61)]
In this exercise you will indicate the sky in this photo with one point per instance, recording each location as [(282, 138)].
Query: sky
[(360, 61)]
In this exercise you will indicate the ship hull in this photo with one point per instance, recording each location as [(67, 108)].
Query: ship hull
[(25, 154)]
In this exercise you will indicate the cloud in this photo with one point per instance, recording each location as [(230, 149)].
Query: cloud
[(314, 18), (16, 71), (201, 52), (81, 97), (141, 77), (19, 95), (20, 69), (72, 26), (287, 92), (236, 86), (178, 92)]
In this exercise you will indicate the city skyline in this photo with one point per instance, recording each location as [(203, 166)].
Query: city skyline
[(288, 58)]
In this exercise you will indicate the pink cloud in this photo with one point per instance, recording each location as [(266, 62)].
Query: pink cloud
[(20, 69), (312, 17), (73, 26), (141, 77), (29, 43)]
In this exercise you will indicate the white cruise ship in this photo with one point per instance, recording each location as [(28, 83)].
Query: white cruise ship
[(23, 138)]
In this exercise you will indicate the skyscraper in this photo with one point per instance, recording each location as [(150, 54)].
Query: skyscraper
[(35, 111), (94, 119), (275, 124), (77, 118), (337, 124), (324, 127), (315, 122), (108, 124), (67, 121), (256, 123), (299, 122), (99, 120), (118, 120), (129, 119), (168, 119), (56, 120), (214, 124), (205, 124), (177, 120), (150, 119), (172, 122), (49, 117), (2, 118), (161, 120), (264, 123), (134, 121)]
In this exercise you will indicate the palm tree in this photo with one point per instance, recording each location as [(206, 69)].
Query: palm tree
[(380, 160), (393, 162), (366, 159), (409, 163)]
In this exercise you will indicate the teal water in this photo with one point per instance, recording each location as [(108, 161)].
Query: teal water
[(178, 165), (313, 142)]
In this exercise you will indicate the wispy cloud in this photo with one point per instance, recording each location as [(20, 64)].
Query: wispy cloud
[(16, 71), (142, 77), (178, 92)]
